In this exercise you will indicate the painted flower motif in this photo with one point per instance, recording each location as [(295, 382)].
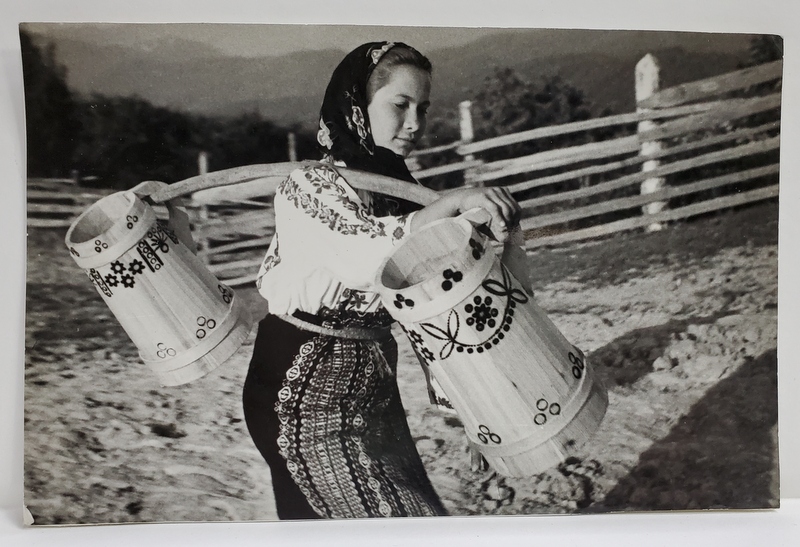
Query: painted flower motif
[(377, 54), (426, 353), (127, 281), (358, 299), (136, 266), (324, 135), (159, 240), (163, 226), (415, 337), (482, 313), (359, 121), (117, 267), (111, 280), (450, 336)]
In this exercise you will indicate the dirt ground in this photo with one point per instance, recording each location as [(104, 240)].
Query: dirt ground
[(681, 325)]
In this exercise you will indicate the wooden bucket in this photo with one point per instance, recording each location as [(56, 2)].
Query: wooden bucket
[(526, 396), (184, 322)]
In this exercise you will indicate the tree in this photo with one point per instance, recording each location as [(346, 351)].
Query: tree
[(49, 111), (506, 103), (125, 140)]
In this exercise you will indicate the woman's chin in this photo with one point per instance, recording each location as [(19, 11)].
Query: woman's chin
[(403, 149)]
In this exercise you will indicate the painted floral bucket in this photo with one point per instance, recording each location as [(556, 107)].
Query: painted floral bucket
[(526, 396), (184, 322)]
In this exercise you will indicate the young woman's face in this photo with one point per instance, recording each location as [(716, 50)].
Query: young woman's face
[(398, 110)]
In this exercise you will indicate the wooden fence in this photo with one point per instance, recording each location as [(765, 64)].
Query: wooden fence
[(54, 203), (688, 150), (727, 126)]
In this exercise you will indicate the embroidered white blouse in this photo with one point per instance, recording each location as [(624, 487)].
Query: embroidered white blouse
[(327, 246)]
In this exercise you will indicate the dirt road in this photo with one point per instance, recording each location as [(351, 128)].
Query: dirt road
[(680, 324)]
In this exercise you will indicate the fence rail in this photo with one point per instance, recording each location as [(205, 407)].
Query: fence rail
[(709, 87), (54, 203), (718, 135)]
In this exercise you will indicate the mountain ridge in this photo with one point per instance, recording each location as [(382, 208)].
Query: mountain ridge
[(194, 77)]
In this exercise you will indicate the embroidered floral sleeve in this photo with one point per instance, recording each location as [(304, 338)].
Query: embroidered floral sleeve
[(272, 259), (338, 233)]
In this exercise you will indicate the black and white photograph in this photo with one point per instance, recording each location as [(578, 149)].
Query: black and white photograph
[(294, 270), (230, 228)]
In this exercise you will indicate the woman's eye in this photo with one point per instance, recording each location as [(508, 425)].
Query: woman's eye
[(401, 106)]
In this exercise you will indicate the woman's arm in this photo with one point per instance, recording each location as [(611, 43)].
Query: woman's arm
[(503, 209)]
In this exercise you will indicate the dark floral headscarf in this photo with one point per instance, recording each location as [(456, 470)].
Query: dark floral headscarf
[(344, 129)]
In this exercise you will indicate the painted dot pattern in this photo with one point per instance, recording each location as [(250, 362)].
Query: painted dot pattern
[(544, 407), (577, 363), (164, 352), (477, 248), (227, 294), (451, 277), (401, 301), (486, 436), (204, 324)]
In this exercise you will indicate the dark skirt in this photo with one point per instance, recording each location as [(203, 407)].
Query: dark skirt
[(326, 415)]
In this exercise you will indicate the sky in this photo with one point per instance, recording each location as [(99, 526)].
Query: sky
[(258, 40)]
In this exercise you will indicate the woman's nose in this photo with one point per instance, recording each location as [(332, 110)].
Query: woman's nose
[(412, 121)]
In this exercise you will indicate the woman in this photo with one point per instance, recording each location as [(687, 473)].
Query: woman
[(321, 399)]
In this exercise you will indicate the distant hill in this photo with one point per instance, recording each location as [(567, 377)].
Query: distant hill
[(288, 89), (600, 63)]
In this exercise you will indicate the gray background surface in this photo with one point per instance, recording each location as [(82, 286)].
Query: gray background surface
[(721, 528)]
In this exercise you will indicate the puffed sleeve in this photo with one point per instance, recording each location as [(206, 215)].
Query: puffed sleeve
[(326, 225)]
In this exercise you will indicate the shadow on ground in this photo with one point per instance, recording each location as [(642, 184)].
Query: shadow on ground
[(720, 455), (628, 358)]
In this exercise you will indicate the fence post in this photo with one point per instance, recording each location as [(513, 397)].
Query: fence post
[(202, 210), (647, 83), (467, 136), (291, 143)]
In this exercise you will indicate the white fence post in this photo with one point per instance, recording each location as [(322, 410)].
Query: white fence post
[(467, 136), (647, 83), (202, 163), (202, 209), (291, 143)]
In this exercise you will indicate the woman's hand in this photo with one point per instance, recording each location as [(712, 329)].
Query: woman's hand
[(504, 211)]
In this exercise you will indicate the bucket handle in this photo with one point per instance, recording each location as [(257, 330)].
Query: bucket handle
[(514, 256), (178, 217)]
